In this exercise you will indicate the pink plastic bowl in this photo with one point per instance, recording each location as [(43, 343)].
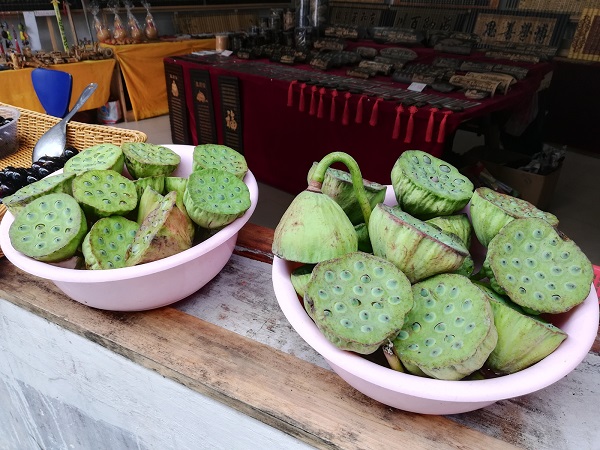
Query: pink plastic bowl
[(146, 286), (427, 395)]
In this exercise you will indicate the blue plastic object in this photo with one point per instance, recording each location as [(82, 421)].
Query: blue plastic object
[(53, 89)]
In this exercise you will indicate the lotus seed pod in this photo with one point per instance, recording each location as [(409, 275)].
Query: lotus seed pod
[(214, 198), (165, 231), (426, 186), (300, 277), (214, 156), (48, 185), (104, 193), (358, 301), (156, 183), (491, 210), (364, 241), (178, 185), (148, 160), (97, 157), (337, 184), (148, 201), (450, 331), (539, 268), (523, 340), (458, 224), (106, 244), (418, 249), (49, 228)]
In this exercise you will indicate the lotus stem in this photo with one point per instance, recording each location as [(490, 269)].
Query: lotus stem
[(357, 181), (392, 358)]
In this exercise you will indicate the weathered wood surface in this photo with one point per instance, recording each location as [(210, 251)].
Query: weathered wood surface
[(250, 359)]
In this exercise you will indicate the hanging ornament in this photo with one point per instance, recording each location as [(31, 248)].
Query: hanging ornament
[(150, 29), (102, 31), (133, 26), (119, 30), (61, 28)]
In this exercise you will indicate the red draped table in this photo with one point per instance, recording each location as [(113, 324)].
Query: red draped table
[(287, 125)]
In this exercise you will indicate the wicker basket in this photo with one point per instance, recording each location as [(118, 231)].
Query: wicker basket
[(32, 125)]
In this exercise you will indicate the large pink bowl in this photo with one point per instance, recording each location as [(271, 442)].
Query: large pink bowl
[(146, 286), (427, 395)]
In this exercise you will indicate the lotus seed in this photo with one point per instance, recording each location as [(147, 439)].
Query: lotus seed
[(384, 318), (365, 279), (403, 335), (364, 315), (467, 305), (358, 290), (429, 342), (359, 265), (346, 323), (436, 352), (457, 345), (470, 327), (459, 321), (340, 307), (377, 292), (337, 289), (394, 300), (414, 347), (416, 326), (449, 308), (430, 317), (392, 284)]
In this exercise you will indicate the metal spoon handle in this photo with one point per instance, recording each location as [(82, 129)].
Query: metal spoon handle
[(85, 94)]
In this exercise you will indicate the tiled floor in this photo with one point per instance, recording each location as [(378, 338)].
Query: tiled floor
[(573, 202)]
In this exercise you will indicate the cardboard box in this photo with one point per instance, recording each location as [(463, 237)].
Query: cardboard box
[(536, 189)]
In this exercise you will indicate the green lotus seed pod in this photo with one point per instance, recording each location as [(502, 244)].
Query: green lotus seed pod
[(156, 183), (214, 198), (364, 241), (358, 301), (523, 340), (300, 277), (457, 224), (450, 332), (148, 160), (104, 193), (148, 201), (106, 244), (97, 157), (48, 185), (49, 228), (537, 267), (214, 156), (491, 210), (337, 184), (165, 231), (178, 185), (426, 186), (418, 249)]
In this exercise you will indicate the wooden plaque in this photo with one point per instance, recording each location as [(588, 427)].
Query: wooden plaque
[(231, 112), (203, 106), (178, 117)]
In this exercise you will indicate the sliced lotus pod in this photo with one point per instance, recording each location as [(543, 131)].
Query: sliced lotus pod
[(48, 185), (156, 183), (215, 156), (364, 241), (458, 224), (523, 339), (214, 198), (148, 201), (178, 185), (104, 193), (97, 157), (426, 186), (418, 249), (165, 231), (538, 267), (491, 210), (49, 228), (106, 244), (358, 301), (148, 160), (300, 277), (449, 333), (337, 184)]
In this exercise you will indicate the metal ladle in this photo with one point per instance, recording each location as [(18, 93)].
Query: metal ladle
[(53, 141)]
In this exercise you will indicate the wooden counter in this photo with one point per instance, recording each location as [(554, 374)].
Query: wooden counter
[(234, 374)]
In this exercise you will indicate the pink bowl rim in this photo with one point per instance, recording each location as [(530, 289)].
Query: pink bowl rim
[(582, 327), (62, 274)]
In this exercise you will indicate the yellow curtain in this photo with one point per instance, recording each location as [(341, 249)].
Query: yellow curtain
[(144, 73), (17, 88)]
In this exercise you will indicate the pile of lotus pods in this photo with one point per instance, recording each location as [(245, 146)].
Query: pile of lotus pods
[(402, 278)]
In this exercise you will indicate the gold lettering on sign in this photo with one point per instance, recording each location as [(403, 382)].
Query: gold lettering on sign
[(174, 89), (201, 97), (230, 120)]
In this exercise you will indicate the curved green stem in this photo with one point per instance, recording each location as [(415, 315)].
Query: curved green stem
[(357, 181)]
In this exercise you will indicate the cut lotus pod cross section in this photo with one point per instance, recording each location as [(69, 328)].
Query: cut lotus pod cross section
[(97, 157), (523, 339), (106, 244), (50, 228), (426, 186), (537, 267), (215, 156), (148, 160), (104, 193), (214, 198), (450, 331), (491, 210), (358, 301), (418, 249), (48, 185), (458, 224)]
